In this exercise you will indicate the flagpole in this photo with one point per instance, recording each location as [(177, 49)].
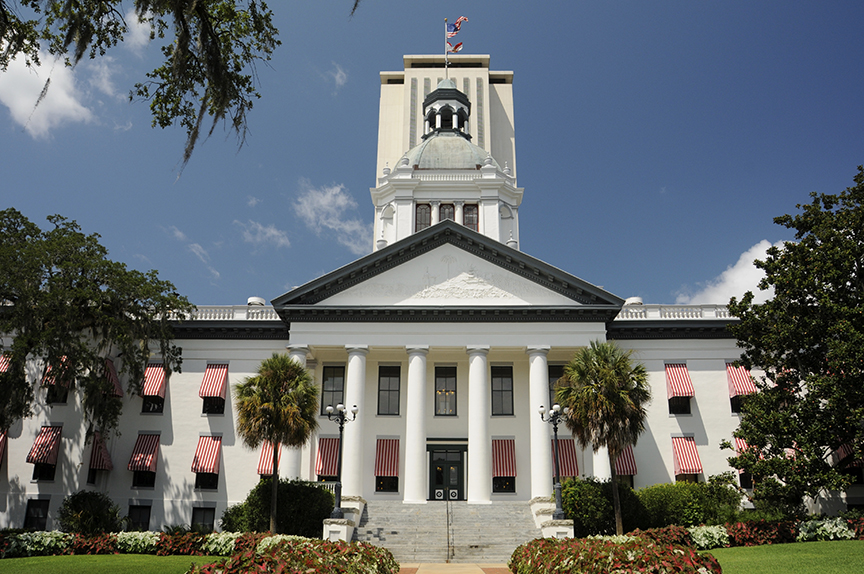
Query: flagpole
[(446, 56)]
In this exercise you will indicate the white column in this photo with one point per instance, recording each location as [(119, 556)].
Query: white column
[(294, 456), (416, 477), (602, 470), (435, 207), (479, 441), (458, 217), (541, 442), (352, 446)]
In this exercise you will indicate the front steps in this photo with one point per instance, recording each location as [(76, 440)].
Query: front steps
[(447, 531)]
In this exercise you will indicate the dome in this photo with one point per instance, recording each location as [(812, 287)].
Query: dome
[(448, 150)]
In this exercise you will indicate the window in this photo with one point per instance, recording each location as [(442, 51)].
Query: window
[(203, 519), (735, 404), (423, 216), (445, 391), (555, 373), (502, 391), (686, 478), (388, 390), (746, 480), (213, 406), (139, 518), (327, 478), (679, 405), (92, 475), (332, 388), (143, 479), (446, 211), (153, 404), (57, 394), (625, 480), (206, 481), (504, 484), (469, 217), (36, 516), (386, 484), (43, 471)]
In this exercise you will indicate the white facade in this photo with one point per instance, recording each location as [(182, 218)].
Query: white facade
[(445, 338)]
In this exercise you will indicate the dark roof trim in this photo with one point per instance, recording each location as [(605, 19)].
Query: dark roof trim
[(678, 329), (250, 330), (484, 314)]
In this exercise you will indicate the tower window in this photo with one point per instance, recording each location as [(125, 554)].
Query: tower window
[(423, 217), (470, 217), (446, 211)]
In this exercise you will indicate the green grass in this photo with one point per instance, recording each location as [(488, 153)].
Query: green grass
[(105, 564), (829, 557)]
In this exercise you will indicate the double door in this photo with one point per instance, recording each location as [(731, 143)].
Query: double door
[(447, 480)]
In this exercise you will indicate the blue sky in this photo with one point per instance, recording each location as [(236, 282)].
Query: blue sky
[(655, 141)]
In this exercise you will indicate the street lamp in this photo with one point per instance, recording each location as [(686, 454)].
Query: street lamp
[(555, 415), (340, 417)]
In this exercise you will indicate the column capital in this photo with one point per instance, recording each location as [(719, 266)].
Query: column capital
[(297, 349), (357, 349), (417, 350), (477, 349), (537, 350)]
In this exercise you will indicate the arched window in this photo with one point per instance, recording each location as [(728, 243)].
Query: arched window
[(470, 216), (447, 117), (446, 211), (422, 217)]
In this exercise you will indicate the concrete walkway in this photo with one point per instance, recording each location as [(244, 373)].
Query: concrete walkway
[(453, 569)]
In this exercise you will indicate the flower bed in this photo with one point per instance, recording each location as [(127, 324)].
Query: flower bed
[(593, 556)]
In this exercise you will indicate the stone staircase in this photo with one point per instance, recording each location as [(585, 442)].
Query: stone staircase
[(447, 531)]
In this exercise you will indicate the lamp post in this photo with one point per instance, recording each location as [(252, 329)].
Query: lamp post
[(340, 417), (554, 417)]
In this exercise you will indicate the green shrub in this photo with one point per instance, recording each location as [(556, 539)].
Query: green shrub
[(668, 535), (708, 537), (691, 503), (569, 555), (89, 513), (761, 532), (38, 543), (825, 529), (137, 542), (301, 509), (588, 502), (220, 543)]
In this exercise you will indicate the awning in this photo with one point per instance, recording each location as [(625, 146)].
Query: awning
[(144, 454), (111, 372), (686, 456), (215, 381), (325, 463), (740, 382), (99, 457), (626, 463), (46, 447), (567, 462), (503, 457), (844, 451), (154, 381), (678, 381), (387, 457), (207, 454), (265, 460), (4, 363), (49, 379)]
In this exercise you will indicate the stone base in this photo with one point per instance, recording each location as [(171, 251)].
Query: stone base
[(338, 529), (557, 529)]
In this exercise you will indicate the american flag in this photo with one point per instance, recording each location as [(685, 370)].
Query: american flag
[(453, 29)]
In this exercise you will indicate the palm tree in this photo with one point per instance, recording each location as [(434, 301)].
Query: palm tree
[(279, 405), (606, 395)]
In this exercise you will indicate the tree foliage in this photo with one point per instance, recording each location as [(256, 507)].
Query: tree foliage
[(67, 306), (89, 513), (809, 341), (302, 508), (279, 405), (606, 395)]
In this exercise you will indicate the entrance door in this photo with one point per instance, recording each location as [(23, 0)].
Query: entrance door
[(447, 479)]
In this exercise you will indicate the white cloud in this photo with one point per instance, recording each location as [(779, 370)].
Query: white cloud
[(339, 75), (324, 209), (100, 79), (252, 201), (178, 235), (258, 234), (202, 254), (736, 280), (138, 36), (21, 88)]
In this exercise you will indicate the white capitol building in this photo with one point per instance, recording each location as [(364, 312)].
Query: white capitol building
[(446, 337)]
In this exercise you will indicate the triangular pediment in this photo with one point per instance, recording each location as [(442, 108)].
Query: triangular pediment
[(446, 267)]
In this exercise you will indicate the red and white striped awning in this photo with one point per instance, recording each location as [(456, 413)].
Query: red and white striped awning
[(567, 462), (215, 381), (207, 454), (4, 363), (741, 445), (265, 459), (740, 381), (99, 457), (46, 447), (2, 445), (328, 451), (49, 379), (678, 381), (686, 456), (503, 457), (626, 463), (154, 381), (387, 457), (111, 371), (144, 454), (844, 451)]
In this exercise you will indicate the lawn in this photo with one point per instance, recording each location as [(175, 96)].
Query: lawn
[(106, 564), (830, 557)]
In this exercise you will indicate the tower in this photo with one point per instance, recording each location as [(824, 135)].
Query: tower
[(460, 161)]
